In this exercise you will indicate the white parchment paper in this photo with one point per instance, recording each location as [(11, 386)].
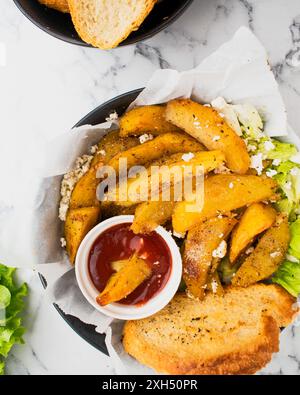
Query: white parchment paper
[(239, 72)]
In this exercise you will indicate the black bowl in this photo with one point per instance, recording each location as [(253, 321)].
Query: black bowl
[(118, 104), (60, 25)]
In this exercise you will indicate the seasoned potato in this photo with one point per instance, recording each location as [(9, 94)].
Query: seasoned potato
[(223, 193), (130, 275), (202, 240), (168, 174), (112, 144), (146, 119), (208, 127), (166, 144), (267, 256), (84, 193), (149, 215), (78, 223), (256, 219), (110, 209)]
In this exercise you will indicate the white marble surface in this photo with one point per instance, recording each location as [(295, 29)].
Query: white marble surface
[(48, 85)]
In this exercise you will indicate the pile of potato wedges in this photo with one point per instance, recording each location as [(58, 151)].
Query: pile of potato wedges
[(237, 223)]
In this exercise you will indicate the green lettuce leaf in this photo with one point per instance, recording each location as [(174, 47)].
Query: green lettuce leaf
[(11, 305), (288, 276), (282, 151), (5, 297)]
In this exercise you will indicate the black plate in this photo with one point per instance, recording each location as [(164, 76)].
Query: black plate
[(118, 104), (60, 25)]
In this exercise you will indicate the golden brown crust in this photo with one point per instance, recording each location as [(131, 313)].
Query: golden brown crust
[(59, 5), (102, 45), (233, 334), (247, 361)]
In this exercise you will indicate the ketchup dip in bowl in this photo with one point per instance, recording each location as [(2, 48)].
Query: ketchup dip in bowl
[(111, 241)]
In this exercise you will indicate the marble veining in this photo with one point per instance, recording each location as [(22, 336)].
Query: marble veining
[(48, 85)]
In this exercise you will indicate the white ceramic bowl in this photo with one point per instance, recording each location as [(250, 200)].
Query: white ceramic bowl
[(117, 310)]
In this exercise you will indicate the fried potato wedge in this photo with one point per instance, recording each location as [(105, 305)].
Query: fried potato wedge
[(256, 219), (149, 215), (146, 119), (155, 180), (166, 144), (78, 223), (223, 193), (84, 193), (110, 209), (130, 275), (207, 126), (267, 256), (202, 240), (112, 144)]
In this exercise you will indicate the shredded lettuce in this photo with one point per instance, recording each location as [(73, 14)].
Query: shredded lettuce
[(250, 120), (280, 161), (288, 276), (282, 151), (11, 305)]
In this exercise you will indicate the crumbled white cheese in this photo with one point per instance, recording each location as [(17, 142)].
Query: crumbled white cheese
[(101, 152), (94, 149), (276, 162), (69, 181), (269, 146), (249, 250), (220, 252), (231, 185), (145, 137), (221, 235), (294, 171), (257, 163), (222, 169), (207, 105), (178, 235), (271, 173), (214, 286), (216, 138), (187, 157), (251, 147), (112, 117), (63, 242), (275, 254)]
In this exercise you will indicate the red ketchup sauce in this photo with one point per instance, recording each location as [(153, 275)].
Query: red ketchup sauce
[(118, 243)]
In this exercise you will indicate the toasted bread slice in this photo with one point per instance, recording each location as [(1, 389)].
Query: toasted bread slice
[(106, 23), (231, 334), (59, 5)]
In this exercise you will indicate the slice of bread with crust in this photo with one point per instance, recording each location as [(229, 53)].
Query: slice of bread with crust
[(106, 23), (59, 5), (232, 334)]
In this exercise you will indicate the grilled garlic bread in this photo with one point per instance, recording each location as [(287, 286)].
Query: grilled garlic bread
[(106, 23), (231, 334)]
